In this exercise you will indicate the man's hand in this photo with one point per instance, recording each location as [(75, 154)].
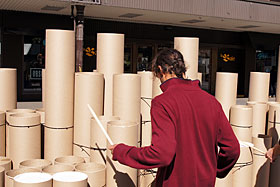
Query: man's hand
[(270, 155), (112, 147)]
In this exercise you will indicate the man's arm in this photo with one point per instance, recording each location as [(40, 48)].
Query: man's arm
[(162, 149), (229, 147), (273, 152)]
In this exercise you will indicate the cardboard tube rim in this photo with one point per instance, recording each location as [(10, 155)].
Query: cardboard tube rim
[(109, 34), (40, 109), (4, 160), (243, 107), (34, 176), (26, 119), (12, 173), (89, 74), (186, 37), (256, 102), (121, 123), (58, 30), (20, 110), (107, 118), (126, 75), (40, 163), (52, 169), (89, 167), (69, 175), (71, 159), (8, 69)]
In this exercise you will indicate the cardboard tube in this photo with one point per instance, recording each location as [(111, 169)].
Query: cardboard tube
[(69, 160), (98, 139), (110, 55), (242, 171), (88, 90), (59, 99), (9, 176), (58, 142), (2, 134), (2, 177), (95, 172), (241, 120), (156, 87), (52, 169), (225, 182), (8, 80), (33, 179), (41, 111), (189, 48), (70, 179), (146, 178), (226, 90), (259, 118), (43, 87), (24, 137), (273, 123), (261, 165), (35, 163), (6, 163), (259, 86), (118, 174), (127, 97)]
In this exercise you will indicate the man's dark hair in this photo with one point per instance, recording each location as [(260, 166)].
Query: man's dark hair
[(171, 61)]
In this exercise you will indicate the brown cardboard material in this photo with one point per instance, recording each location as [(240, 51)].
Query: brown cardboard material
[(242, 171), (261, 165), (43, 87), (2, 177), (24, 137), (189, 48), (118, 174), (69, 160), (70, 179), (35, 163), (33, 179), (226, 90), (41, 111), (259, 118), (8, 80), (98, 140), (59, 98), (241, 120), (6, 163), (88, 90), (110, 55), (2, 134), (52, 169), (96, 173), (156, 87), (9, 176), (58, 142), (259, 86)]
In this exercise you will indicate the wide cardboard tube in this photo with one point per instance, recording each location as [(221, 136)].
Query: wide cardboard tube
[(35, 163), (96, 173), (69, 160), (273, 128), (70, 179), (156, 87), (259, 118), (33, 179), (9, 176), (2, 134), (52, 169), (259, 86), (98, 139)]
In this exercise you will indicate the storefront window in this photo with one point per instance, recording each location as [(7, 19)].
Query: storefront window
[(204, 68), (265, 60)]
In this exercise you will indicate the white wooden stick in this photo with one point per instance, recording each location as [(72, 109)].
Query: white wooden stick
[(248, 144), (100, 125)]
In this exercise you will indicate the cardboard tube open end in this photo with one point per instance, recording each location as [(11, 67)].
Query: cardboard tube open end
[(35, 163), (52, 169), (70, 176), (33, 177), (90, 167), (122, 123), (12, 173), (69, 160), (5, 162)]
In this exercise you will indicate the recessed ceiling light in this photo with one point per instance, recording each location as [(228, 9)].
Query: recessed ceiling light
[(247, 26), (52, 8), (193, 21), (130, 15)]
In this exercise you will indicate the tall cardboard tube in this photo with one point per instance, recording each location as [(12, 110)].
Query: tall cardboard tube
[(110, 55), (2, 134), (43, 87), (33, 179), (259, 86), (226, 90), (96, 173), (35, 163), (8, 80), (58, 142), (118, 174), (98, 140), (259, 118), (69, 160), (70, 179), (261, 165), (2, 177), (88, 90), (59, 99), (242, 171), (6, 163), (156, 87), (24, 137), (189, 48), (52, 169), (9, 176), (127, 97), (241, 120)]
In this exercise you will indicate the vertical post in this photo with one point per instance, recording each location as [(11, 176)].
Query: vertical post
[(79, 37)]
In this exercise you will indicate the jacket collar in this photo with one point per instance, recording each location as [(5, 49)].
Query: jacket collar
[(179, 81)]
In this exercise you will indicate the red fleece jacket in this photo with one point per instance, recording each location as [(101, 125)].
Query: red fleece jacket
[(188, 125)]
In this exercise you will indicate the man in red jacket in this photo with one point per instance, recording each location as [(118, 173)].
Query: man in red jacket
[(188, 126)]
